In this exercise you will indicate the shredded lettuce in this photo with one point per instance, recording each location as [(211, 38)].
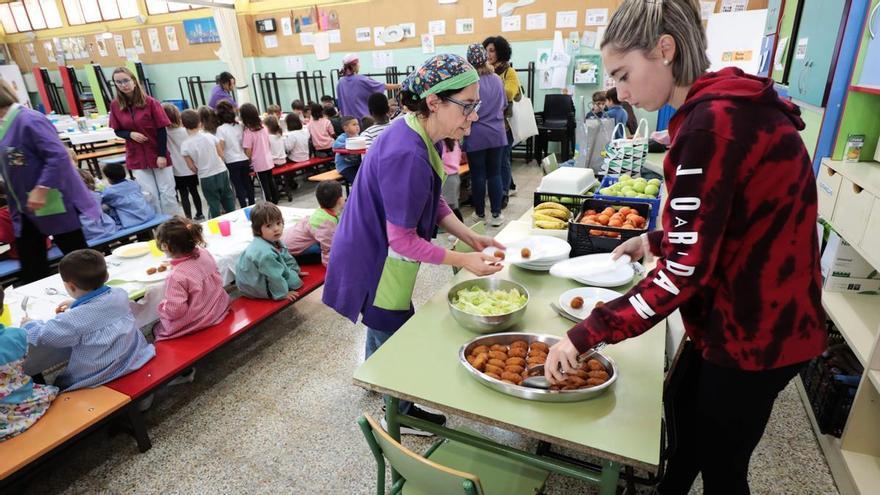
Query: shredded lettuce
[(477, 301)]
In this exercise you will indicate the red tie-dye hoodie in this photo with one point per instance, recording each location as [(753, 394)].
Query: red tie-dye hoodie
[(738, 253)]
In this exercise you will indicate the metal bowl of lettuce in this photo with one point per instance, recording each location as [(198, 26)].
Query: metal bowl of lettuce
[(488, 305)]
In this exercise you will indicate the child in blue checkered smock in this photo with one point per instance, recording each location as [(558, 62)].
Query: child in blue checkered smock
[(97, 325)]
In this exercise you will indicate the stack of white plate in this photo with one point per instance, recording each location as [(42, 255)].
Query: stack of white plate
[(596, 269), (544, 252)]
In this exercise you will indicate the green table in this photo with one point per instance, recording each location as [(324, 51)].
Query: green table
[(420, 363)]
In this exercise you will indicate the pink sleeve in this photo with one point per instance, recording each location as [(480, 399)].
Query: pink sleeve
[(443, 210), (324, 236), (329, 127), (407, 242), (247, 140), (174, 306)]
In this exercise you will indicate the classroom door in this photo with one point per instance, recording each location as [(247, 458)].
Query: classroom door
[(871, 65), (815, 46)]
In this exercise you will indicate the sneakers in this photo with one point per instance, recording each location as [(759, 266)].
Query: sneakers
[(477, 218), (417, 412), (186, 377), (497, 220), (512, 191), (504, 201), (199, 218)]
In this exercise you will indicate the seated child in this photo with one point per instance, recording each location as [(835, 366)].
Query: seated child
[(298, 108), (313, 234), (123, 198), (22, 402), (335, 119), (347, 165), (327, 101), (296, 141), (194, 294), (266, 270), (275, 111), (95, 228), (97, 325), (321, 132)]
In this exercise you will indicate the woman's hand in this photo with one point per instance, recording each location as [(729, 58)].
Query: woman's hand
[(634, 247), (139, 137), (481, 242), (37, 198), (562, 353), (161, 162), (480, 264)]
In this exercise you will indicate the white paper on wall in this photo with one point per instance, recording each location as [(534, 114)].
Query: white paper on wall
[(306, 39), (707, 9), (382, 59), (490, 8), (32, 52), (427, 43), (294, 64), (437, 28), (409, 29), (270, 41), (464, 26), (120, 45), (363, 34), (155, 44), (566, 19), (589, 39), (286, 26), (511, 23), (138, 41), (800, 50), (780, 53), (378, 31), (596, 17), (171, 38), (101, 44), (536, 22), (322, 45), (734, 5), (335, 36)]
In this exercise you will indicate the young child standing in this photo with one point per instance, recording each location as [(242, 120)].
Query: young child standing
[(256, 146), (97, 325), (296, 141), (276, 140), (310, 239), (194, 294), (209, 119), (266, 270), (95, 228), (451, 164), (202, 153), (185, 181), (321, 132), (348, 165), (123, 198), (231, 134), (22, 402)]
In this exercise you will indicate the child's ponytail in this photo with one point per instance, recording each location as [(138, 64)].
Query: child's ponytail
[(180, 236)]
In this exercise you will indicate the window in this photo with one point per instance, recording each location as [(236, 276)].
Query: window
[(87, 11), (164, 7), (29, 15)]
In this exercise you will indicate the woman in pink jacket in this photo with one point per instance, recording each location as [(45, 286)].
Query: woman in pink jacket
[(140, 120)]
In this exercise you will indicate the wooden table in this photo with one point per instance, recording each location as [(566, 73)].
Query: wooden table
[(420, 363)]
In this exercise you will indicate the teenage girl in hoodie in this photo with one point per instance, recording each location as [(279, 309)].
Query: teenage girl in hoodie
[(737, 254)]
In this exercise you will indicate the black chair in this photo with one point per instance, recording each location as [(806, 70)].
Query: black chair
[(555, 123)]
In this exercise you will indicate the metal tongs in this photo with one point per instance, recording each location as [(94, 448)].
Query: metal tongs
[(540, 381)]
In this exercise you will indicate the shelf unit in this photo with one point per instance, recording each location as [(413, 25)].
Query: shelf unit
[(870, 89), (857, 317)]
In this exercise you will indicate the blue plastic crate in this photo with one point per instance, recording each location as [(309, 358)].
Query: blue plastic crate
[(655, 203)]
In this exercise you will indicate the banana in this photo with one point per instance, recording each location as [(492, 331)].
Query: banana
[(555, 213), (538, 215), (544, 224), (552, 205)]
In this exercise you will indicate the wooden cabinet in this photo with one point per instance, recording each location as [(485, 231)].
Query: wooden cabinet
[(815, 48)]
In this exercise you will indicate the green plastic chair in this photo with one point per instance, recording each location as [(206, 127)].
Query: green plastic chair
[(449, 467), (461, 247)]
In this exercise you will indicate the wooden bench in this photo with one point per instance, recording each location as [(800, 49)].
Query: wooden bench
[(71, 416), (176, 355), (331, 175), (91, 158)]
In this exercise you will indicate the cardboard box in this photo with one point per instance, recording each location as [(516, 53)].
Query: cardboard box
[(844, 269)]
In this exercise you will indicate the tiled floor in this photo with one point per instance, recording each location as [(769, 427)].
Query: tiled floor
[(275, 412)]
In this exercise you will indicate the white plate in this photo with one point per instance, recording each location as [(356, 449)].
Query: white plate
[(591, 296), (617, 275), (141, 276), (543, 249), (135, 250)]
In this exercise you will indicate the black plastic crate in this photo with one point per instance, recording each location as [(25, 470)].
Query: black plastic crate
[(831, 381), (582, 242), (571, 201)]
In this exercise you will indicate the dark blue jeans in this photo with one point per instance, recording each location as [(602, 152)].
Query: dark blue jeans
[(375, 339), (506, 171), (485, 168)]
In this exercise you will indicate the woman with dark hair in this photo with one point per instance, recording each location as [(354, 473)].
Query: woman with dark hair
[(44, 191), (499, 52), (353, 89), (396, 204), (222, 91), (140, 120)]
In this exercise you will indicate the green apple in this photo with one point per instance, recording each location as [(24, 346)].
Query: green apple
[(652, 190), (606, 191), (631, 194), (625, 178), (654, 182), (644, 196), (638, 187)]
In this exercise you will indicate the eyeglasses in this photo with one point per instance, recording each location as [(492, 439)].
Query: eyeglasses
[(122, 82), (467, 108)]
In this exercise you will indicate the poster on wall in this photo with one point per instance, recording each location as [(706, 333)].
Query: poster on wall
[(286, 26), (596, 17), (379, 35), (322, 45), (49, 50), (409, 29), (335, 36), (270, 41), (171, 38), (329, 19), (83, 47), (294, 64), (586, 70), (464, 26), (101, 44), (536, 22), (734, 5), (511, 23), (32, 53), (120, 45), (363, 34), (707, 9), (138, 42), (490, 8), (427, 43), (155, 44), (305, 20), (306, 39), (437, 28), (566, 19), (200, 31)]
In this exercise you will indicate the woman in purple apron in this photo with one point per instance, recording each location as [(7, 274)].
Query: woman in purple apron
[(139, 119), (43, 188), (395, 205), (223, 90), (353, 90)]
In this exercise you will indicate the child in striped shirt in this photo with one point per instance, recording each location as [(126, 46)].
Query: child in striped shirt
[(194, 295)]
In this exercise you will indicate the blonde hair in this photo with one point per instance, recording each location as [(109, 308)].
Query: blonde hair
[(7, 94), (138, 99), (639, 24)]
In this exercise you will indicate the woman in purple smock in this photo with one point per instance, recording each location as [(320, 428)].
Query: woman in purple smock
[(395, 205), (353, 90), (44, 191)]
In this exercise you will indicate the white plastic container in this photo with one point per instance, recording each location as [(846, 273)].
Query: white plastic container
[(568, 180), (356, 143)]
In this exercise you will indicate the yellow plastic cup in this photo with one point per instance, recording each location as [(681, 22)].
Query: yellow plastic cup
[(154, 249), (6, 317), (214, 226)]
